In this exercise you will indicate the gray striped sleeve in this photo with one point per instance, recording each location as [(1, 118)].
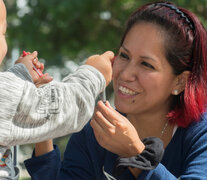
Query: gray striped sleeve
[(21, 71), (55, 109)]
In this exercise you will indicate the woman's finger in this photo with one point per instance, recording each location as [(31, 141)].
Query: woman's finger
[(107, 112), (98, 131), (103, 122), (109, 106)]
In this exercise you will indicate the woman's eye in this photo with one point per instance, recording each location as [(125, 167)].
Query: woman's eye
[(123, 55), (147, 65)]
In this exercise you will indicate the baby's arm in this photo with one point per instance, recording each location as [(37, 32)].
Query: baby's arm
[(32, 115), (21, 71), (47, 146)]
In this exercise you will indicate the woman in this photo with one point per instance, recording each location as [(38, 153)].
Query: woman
[(159, 80)]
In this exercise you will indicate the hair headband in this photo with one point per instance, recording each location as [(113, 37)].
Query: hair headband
[(178, 11)]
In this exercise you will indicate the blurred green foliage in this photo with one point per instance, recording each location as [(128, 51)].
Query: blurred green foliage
[(74, 29)]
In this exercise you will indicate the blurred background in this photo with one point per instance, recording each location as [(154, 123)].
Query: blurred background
[(66, 32)]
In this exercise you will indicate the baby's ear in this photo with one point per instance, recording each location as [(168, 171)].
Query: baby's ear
[(180, 82)]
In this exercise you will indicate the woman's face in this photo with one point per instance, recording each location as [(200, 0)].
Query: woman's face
[(142, 78)]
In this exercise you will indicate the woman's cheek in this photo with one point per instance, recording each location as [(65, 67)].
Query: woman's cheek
[(114, 71)]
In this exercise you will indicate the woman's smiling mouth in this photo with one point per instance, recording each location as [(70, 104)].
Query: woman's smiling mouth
[(127, 91)]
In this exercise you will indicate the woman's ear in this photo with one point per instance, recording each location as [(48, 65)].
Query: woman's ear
[(180, 82)]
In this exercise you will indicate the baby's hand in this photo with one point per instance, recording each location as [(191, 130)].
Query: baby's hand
[(35, 63), (34, 67), (27, 60), (103, 63)]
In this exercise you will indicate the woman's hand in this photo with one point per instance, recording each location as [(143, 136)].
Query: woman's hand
[(114, 132)]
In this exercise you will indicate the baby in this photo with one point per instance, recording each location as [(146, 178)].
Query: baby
[(29, 114)]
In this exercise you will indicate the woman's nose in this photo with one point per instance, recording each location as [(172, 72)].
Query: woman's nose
[(128, 73)]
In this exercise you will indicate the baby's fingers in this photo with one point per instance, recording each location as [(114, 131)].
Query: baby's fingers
[(34, 54), (42, 67), (46, 78), (37, 64)]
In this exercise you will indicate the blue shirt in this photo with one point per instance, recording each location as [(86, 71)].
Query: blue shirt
[(185, 157)]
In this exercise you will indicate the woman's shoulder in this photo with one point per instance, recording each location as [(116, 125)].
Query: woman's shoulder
[(198, 126), (197, 131)]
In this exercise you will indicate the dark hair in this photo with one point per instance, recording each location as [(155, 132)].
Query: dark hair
[(185, 42)]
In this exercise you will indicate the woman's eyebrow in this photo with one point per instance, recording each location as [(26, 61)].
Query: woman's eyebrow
[(147, 57), (125, 48), (142, 57)]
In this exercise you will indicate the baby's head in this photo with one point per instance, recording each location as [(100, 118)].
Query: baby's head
[(3, 24)]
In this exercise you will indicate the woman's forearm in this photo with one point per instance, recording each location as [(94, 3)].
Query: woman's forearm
[(43, 147)]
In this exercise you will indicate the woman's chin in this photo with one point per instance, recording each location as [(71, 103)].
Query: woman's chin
[(121, 108)]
